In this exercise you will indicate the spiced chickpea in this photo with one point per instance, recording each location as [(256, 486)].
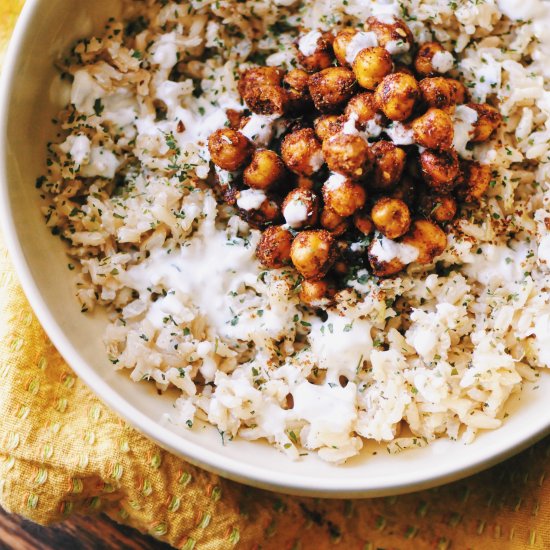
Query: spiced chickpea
[(316, 293), (341, 43), (314, 51), (371, 65), (261, 88), (348, 154), (393, 34), (396, 95), (273, 250), (327, 126), (343, 196), (313, 252), (229, 149), (331, 88), (296, 84), (434, 130), (439, 169), (362, 108), (235, 118), (474, 181), (460, 94), (488, 120), (363, 222), (440, 208), (428, 238), (301, 208), (438, 92), (301, 152), (406, 190), (432, 59), (389, 162), (267, 213), (265, 171), (257, 77), (381, 267), (391, 217), (333, 222)]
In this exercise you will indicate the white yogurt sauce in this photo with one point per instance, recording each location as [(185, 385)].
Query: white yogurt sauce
[(386, 250), (204, 275), (259, 129), (334, 181), (317, 160), (400, 134), (308, 43), (443, 62), (79, 147), (295, 213), (397, 47), (360, 41), (251, 199), (341, 344), (464, 118)]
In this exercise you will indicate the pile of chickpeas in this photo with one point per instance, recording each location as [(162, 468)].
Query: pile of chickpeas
[(328, 181)]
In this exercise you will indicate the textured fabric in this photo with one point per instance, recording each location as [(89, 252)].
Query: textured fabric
[(62, 451)]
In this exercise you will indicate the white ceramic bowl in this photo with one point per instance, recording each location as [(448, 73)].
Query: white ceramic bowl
[(30, 98)]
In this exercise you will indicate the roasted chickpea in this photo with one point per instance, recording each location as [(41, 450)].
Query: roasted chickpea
[(331, 88), (316, 293), (391, 217), (301, 152), (389, 162), (341, 45), (296, 84), (406, 190), (432, 58), (363, 222), (234, 118), (460, 93), (383, 268), (438, 92), (362, 107), (327, 126), (371, 65), (229, 149), (393, 35), (474, 181), (348, 154), (488, 120), (343, 196), (439, 169), (265, 170), (434, 130), (261, 88), (334, 223), (313, 252), (396, 95), (315, 51), (274, 247), (258, 77), (301, 208), (267, 213), (428, 238), (440, 208)]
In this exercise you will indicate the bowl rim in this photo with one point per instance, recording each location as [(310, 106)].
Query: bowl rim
[(188, 450)]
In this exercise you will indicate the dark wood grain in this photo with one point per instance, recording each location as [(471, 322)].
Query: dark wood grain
[(78, 533)]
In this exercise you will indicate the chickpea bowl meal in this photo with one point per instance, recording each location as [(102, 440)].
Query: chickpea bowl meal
[(315, 234)]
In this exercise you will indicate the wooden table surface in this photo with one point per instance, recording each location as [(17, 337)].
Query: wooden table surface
[(78, 533)]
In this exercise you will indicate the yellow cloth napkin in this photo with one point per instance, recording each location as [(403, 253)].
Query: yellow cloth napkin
[(62, 451)]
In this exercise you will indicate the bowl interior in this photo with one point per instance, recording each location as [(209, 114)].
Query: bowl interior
[(33, 94)]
